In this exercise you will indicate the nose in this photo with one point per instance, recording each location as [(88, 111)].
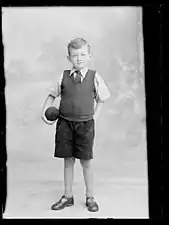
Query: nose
[(78, 57)]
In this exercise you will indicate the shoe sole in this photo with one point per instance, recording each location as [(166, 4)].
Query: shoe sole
[(93, 210)]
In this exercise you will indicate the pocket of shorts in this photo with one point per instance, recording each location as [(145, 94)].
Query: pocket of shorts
[(63, 131), (87, 134), (89, 125)]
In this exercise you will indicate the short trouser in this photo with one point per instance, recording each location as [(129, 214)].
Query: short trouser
[(74, 139)]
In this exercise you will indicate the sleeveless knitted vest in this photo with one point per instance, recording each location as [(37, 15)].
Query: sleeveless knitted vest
[(77, 100)]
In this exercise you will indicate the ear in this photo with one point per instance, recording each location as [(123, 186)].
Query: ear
[(90, 55), (68, 57)]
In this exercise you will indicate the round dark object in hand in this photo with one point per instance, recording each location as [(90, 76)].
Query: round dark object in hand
[(52, 113)]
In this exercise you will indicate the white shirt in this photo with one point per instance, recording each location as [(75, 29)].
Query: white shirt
[(101, 88)]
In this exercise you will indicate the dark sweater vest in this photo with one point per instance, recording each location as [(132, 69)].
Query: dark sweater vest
[(77, 100)]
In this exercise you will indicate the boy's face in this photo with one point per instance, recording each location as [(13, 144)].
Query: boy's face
[(79, 57)]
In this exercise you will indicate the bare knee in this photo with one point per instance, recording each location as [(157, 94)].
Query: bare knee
[(86, 164), (69, 162)]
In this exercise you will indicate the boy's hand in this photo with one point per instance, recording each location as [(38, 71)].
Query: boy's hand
[(95, 117), (97, 110)]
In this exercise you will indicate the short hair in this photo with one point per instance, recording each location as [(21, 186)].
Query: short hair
[(77, 43)]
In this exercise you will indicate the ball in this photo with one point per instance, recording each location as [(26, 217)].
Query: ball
[(52, 113)]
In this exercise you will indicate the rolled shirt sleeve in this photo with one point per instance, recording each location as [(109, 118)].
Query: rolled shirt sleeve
[(102, 92), (55, 89)]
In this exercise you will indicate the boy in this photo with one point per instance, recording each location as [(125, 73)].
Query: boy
[(78, 88)]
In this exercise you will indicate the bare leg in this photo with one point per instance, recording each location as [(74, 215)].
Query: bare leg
[(68, 176), (88, 176)]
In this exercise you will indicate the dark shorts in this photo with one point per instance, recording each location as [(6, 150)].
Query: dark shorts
[(74, 139)]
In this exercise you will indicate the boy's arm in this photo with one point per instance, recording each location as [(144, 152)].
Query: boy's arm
[(54, 92), (102, 94), (97, 109), (48, 102)]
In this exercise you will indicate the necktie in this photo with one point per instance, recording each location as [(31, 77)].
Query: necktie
[(78, 77)]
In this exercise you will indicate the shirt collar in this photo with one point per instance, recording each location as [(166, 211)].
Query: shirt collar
[(83, 71)]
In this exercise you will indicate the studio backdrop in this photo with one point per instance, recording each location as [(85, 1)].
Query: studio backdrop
[(35, 50)]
